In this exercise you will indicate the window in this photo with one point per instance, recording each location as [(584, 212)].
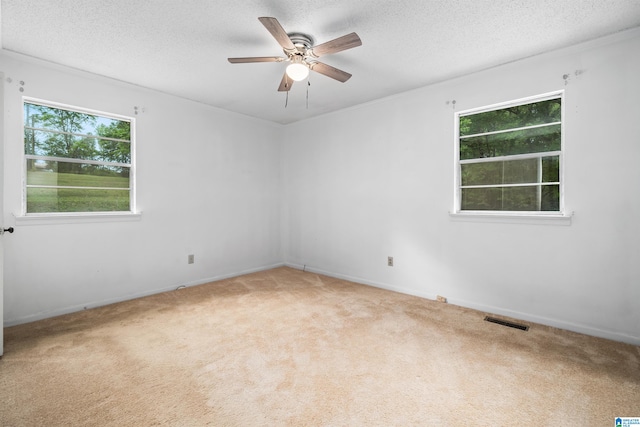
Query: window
[(76, 160), (509, 157)]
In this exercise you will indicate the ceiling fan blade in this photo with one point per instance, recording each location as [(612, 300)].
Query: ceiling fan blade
[(329, 71), (256, 59), (276, 30), (285, 84), (336, 45)]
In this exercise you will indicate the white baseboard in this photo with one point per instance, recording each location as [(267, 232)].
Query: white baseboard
[(556, 323), (95, 304), (362, 281)]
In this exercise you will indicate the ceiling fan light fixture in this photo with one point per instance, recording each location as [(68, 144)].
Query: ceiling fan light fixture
[(300, 51), (297, 71)]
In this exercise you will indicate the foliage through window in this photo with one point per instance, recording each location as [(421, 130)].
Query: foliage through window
[(76, 160), (510, 157)]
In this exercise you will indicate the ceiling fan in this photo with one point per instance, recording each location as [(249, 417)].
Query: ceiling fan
[(302, 55)]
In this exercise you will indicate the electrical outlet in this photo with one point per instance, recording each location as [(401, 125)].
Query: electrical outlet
[(191, 259), (441, 298), (390, 261)]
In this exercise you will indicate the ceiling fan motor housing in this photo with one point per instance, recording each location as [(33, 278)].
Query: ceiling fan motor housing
[(303, 44), (301, 40)]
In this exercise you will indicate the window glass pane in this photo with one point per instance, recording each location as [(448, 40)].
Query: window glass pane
[(535, 140), (44, 143), (511, 165), (97, 140), (551, 169), (550, 198), (512, 117), (61, 120), (495, 173), (40, 200), (481, 199), (521, 171), (512, 198), (40, 172), (520, 198), (481, 173)]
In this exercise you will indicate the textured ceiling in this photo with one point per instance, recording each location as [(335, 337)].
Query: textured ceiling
[(181, 47)]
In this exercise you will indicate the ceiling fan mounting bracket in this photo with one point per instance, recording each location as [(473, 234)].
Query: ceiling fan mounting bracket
[(303, 44), (301, 40)]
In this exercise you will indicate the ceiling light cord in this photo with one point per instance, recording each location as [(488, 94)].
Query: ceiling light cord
[(286, 101)]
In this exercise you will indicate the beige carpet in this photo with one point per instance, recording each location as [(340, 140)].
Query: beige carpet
[(288, 348)]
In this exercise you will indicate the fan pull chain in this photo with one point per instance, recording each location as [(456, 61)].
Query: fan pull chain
[(286, 102), (308, 84)]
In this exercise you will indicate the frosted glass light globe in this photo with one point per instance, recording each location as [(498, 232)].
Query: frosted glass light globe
[(297, 71)]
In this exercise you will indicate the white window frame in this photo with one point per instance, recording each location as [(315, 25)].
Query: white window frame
[(458, 212), (131, 213)]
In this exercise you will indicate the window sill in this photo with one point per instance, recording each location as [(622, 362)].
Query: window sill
[(70, 218), (513, 218)]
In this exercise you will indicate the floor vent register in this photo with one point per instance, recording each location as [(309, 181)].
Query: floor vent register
[(505, 323)]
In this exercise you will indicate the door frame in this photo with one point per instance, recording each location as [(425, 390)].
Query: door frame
[(2, 137)]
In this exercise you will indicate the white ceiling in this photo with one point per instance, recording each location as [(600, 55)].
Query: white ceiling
[(181, 47)]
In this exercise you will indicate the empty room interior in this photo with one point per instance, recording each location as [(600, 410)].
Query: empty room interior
[(437, 222)]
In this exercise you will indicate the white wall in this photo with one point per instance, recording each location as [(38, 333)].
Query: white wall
[(208, 184), (377, 180), (363, 183)]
